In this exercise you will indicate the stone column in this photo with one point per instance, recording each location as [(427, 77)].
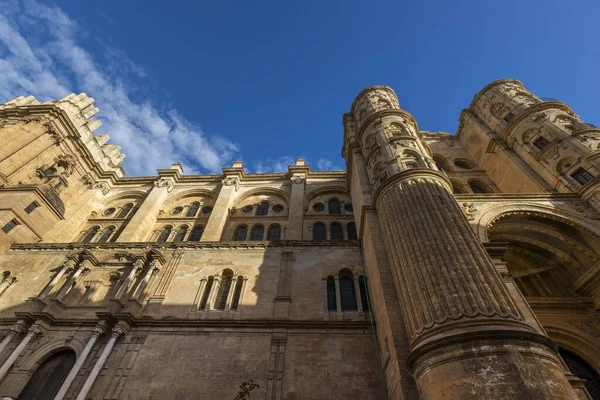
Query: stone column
[(80, 360), (338, 297), (34, 330), (14, 331), (116, 332), (218, 217), (231, 293), (358, 295), (214, 288), (468, 339), (137, 267), (67, 266), (298, 174), (152, 269), (71, 281)]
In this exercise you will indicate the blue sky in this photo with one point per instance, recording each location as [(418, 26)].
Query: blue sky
[(206, 83)]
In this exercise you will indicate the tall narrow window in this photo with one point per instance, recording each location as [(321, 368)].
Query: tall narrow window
[(164, 234), (29, 209), (235, 302), (90, 234), (477, 188), (351, 231), (240, 233), (106, 234), (274, 232), (180, 235), (334, 207), (224, 288), (319, 232), (257, 232), (347, 291), (207, 289), (582, 176), (125, 210), (331, 299), (263, 208), (336, 231), (362, 285), (196, 234), (193, 210), (10, 225)]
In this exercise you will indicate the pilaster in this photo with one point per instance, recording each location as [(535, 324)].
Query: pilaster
[(298, 174)]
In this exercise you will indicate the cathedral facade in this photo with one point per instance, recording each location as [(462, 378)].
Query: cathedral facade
[(437, 266)]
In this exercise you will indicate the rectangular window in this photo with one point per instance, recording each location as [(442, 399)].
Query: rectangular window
[(10, 225), (582, 176), (412, 164), (509, 117), (32, 207), (541, 143)]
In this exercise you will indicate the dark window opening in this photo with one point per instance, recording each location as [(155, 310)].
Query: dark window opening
[(347, 293), (207, 289), (257, 232), (334, 207), (331, 298), (508, 117), (240, 233), (125, 210), (164, 234), (352, 231), (477, 188), (336, 231), (582, 176), (29, 209), (274, 232), (10, 225), (106, 235), (180, 235), (193, 210), (89, 236), (263, 208), (541, 143), (196, 234), (319, 232)]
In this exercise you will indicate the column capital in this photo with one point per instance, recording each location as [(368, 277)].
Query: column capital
[(117, 331)]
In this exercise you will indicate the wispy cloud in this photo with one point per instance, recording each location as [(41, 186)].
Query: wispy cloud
[(278, 164), (324, 164), (41, 55)]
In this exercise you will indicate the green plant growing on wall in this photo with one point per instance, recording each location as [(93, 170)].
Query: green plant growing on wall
[(245, 389)]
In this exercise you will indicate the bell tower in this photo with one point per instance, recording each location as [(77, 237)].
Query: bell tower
[(461, 335)]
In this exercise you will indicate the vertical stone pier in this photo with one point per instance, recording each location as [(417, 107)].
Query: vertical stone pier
[(468, 339)]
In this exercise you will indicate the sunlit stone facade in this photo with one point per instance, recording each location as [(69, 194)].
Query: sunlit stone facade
[(437, 266)]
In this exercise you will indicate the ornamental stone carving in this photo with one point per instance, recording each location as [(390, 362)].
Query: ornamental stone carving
[(470, 210), (103, 186), (297, 179), (163, 182), (231, 181)]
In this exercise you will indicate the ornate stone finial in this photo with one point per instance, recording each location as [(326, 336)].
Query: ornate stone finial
[(231, 181), (163, 182)]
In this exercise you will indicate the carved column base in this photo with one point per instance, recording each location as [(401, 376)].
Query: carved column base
[(512, 366)]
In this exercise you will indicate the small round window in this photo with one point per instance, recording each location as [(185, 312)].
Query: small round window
[(207, 210), (247, 208), (176, 210), (464, 164), (318, 207), (277, 208), (109, 211), (348, 207)]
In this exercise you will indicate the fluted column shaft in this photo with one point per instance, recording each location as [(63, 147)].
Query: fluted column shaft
[(137, 266), (116, 332), (72, 280), (17, 352), (80, 360)]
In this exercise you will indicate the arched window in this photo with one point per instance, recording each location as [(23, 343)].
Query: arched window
[(164, 234), (49, 377), (257, 232), (455, 190), (180, 235), (193, 210), (362, 285), (347, 291), (319, 232), (336, 231), (196, 234), (274, 232), (583, 371), (477, 188), (263, 208), (240, 233), (351, 231), (106, 235), (90, 234), (235, 302), (331, 299), (125, 210), (207, 290), (334, 207), (224, 287)]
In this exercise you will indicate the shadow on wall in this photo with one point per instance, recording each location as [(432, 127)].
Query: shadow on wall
[(261, 318)]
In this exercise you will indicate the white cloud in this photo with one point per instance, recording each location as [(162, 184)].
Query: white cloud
[(278, 164), (40, 55), (324, 164)]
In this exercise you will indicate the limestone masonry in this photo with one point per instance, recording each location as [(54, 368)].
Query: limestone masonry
[(437, 266)]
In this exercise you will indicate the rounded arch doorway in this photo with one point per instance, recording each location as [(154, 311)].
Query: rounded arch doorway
[(583, 371), (49, 377)]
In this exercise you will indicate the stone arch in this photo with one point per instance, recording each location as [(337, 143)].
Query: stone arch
[(266, 191), (190, 193), (310, 196), (496, 212), (137, 195), (44, 352), (576, 341), (484, 183)]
